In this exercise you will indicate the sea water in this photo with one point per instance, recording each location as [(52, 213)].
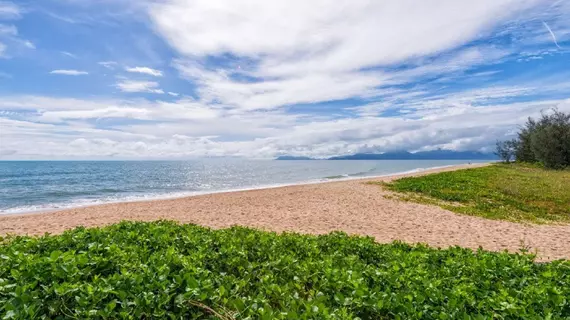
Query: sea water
[(27, 186)]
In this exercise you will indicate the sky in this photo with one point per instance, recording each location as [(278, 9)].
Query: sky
[(181, 79)]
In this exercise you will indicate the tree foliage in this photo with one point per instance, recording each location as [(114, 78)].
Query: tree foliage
[(506, 150), (546, 141), (524, 152), (550, 140)]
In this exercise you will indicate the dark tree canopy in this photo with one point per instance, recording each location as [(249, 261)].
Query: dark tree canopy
[(545, 141), (524, 151)]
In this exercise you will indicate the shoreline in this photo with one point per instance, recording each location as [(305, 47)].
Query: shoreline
[(352, 206), (261, 187)]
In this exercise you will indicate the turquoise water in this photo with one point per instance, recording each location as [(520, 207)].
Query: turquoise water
[(43, 185)]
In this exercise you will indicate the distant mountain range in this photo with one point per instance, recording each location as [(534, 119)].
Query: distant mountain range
[(405, 155)]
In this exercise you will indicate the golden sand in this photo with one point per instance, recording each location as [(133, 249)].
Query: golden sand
[(351, 206)]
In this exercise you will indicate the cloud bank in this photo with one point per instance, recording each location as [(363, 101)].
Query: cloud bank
[(265, 78)]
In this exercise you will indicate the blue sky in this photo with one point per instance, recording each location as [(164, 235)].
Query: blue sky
[(176, 79)]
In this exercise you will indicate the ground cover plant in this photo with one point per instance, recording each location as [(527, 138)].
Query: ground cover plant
[(515, 192), (136, 270)]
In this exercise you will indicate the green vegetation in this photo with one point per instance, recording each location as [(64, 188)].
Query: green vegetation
[(511, 192), (137, 270), (545, 141)]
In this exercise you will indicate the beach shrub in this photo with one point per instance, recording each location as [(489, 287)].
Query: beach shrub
[(136, 270)]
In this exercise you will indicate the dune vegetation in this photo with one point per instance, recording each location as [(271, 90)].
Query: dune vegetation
[(136, 270), (514, 192)]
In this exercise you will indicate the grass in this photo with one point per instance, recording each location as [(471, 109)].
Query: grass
[(136, 270), (514, 192)]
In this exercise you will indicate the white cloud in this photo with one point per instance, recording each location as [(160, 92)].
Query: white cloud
[(28, 44), (69, 72), (69, 54), (9, 30), (269, 94), (49, 103), (60, 109), (108, 64), (9, 10), (485, 73), (249, 72), (316, 51), (217, 85), (360, 32), (470, 129), (139, 86), (187, 128), (145, 70)]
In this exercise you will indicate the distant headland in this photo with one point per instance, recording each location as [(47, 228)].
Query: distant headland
[(405, 155)]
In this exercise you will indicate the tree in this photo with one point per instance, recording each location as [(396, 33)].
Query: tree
[(550, 140), (506, 150), (546, 140), (524, 152)]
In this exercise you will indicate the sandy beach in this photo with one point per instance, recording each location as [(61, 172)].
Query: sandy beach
[(351, 206)]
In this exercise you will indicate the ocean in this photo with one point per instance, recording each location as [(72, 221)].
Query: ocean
[(27, 186)]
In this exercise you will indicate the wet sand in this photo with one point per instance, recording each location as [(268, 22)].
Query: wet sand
[(351, 206)]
